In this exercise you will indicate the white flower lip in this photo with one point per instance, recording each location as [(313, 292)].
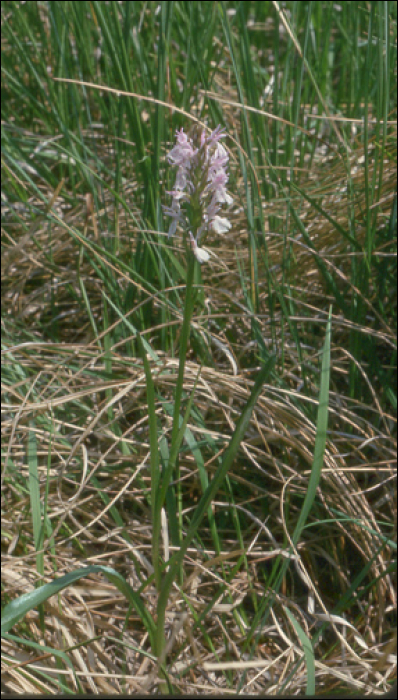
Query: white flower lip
[(200, 254), (220, 224)]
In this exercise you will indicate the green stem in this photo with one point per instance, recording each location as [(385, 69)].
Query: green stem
[(175, 441), (186, 327)]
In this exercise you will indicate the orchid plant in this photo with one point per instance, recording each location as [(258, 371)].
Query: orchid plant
[(197, 199)]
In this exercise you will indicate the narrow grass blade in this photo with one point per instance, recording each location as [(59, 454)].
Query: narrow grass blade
[(320, 439), (308, 652), (35, 505)]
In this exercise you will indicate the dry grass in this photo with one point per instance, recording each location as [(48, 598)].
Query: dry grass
[(92, 436)]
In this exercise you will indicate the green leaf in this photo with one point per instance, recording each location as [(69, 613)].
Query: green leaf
[(320, 439), (19, 607), (308, 652)]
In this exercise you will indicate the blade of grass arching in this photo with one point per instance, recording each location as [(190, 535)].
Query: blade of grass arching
[(15, 611), (308, 652), (19, 175), (359, 589), (43, 682), (106, 260)]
